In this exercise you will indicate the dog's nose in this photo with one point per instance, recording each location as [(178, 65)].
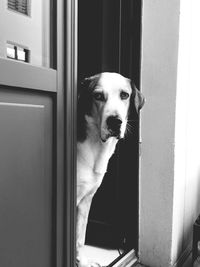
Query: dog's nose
[(114, 123)]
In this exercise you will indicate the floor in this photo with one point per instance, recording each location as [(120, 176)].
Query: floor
[(101, 255), (188, 263), (106, 256)]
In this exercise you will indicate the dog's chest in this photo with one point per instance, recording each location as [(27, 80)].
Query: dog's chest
[(92, 160)]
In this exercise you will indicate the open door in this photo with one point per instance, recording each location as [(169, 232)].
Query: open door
[(109, 40)]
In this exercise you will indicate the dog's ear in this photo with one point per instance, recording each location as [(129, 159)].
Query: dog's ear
[(89, 83), (85, 89), (138, 98), (84, 103)]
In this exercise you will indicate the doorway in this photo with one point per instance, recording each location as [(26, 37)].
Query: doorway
[(109, 40)]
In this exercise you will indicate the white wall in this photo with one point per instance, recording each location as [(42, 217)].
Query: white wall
[(31, 32), (187, 149), (170, 131), (160, 24)]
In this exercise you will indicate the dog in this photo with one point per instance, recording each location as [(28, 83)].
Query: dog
[(103, 107)]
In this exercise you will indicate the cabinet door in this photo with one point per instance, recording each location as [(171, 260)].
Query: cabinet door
[(31, 93), (26, 178)]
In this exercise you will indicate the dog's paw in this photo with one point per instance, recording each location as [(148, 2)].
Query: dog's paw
[(94, 264), (83, 261), (87, 263)]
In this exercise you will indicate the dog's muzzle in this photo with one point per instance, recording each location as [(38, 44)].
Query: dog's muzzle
[(114, 126)]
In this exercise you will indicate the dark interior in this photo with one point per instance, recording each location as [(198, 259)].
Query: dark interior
[(109, 40)]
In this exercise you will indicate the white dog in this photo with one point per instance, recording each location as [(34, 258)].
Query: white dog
[(103, 106)]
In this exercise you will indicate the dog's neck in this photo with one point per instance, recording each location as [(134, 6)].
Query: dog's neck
[(93, 153)]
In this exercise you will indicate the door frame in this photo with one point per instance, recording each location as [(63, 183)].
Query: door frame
[(66, 132), (70, 98)]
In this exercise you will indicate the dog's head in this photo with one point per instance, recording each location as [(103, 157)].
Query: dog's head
[(104, 103)]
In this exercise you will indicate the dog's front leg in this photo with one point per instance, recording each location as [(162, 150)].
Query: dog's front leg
[(83, 209)]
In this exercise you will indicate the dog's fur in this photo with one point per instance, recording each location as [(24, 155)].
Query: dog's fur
[(103, 106)]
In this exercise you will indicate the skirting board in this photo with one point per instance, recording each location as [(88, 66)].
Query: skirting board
[(125, 261)]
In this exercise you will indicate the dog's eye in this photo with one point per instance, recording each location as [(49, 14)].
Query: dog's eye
[(98, 96), (124, 95)]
